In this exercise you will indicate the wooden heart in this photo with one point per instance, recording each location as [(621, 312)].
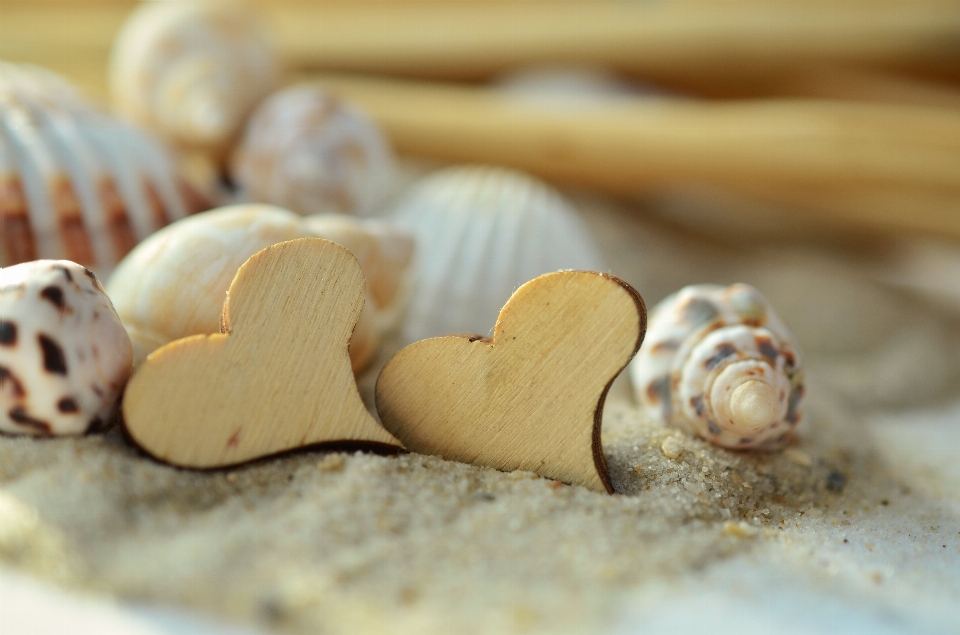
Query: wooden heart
[(532, 398), (278, 377)]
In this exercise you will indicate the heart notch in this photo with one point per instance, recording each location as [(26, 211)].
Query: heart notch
[(530, 399)]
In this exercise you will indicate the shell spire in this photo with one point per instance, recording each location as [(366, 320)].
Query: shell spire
[(719, 363)]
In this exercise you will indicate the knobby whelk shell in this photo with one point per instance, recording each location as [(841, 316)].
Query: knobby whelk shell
[(481, 232), (307, 151), (191, 72), (76, 183), (174, 283), (719, 363), (64, 356)]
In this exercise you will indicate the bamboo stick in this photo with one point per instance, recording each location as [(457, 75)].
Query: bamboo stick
[(892, 166), (697, 41), (860, 84), (652, 39)]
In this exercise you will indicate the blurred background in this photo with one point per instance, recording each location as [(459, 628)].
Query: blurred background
[(809, 147), (744, 120)]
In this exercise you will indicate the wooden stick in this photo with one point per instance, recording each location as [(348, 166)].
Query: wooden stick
[(662, 40), (834, 153), (918, 210), (829, 82), (652, 39)]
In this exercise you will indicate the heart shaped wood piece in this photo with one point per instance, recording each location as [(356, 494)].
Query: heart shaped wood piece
[(277, 378), (531, 399)]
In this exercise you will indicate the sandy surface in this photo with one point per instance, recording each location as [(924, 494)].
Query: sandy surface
[(858, 520), (348, 543)]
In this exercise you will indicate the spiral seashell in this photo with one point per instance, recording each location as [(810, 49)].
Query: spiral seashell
[(76, 183), (305, 150), (481, 232), (174, 283), (719, 363), (192, 71), (64, 356)]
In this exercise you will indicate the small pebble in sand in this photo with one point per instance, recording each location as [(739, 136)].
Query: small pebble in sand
[(332, 463), (672, 447), (739, 530), (836, 481), (798, 456)]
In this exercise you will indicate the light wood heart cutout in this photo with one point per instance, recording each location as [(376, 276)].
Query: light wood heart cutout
[(531, 399), (278, 377)]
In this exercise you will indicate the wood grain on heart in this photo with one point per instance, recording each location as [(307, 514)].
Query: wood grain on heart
[(277, 378), (531, 399)]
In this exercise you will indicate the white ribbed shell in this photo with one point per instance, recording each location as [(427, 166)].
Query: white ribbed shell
[(192, 71), (481, 232), (174, 283), (305, 150), (702, 344), (76, 183)]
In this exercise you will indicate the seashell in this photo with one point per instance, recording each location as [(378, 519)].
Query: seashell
[(305, 150), (719, 363), (481, 232), (64, 356), (74, 182), (192, 71), (174, 283)]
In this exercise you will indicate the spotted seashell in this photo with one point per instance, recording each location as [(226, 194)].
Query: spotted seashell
[(76, 183), (307, 151), (64, 356), (174, 283), (719, 363), (481, 232), (192, 72)]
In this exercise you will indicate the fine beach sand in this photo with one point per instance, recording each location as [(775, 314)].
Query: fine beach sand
[(351, 543), (328, 542)]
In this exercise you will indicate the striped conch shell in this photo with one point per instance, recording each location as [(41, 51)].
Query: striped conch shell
[(192, 71), (305, 150), (75, 183), (719, 363), (174, 283)]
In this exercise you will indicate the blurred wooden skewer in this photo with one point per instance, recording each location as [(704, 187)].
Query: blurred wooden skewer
[(662, 41), (657, 40), (889, 166), (861, 84)]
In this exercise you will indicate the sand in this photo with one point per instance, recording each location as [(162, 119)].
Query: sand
[(328, 542)]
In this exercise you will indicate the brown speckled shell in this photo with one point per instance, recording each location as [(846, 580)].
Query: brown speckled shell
[(64, 355), (704, 341)]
